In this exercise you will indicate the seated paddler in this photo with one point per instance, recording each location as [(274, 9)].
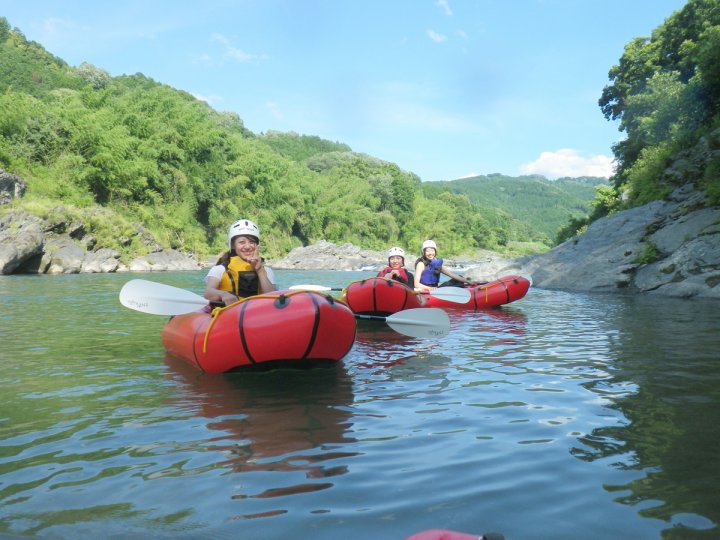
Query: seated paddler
[(395, 269), (241, 271)]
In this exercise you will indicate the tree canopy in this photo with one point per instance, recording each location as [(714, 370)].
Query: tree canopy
[(665, 91)]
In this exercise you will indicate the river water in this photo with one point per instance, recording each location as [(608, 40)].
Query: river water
[(560, 416)]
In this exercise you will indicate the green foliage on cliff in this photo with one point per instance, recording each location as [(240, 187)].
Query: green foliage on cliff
[(139, 152), (665, 91)]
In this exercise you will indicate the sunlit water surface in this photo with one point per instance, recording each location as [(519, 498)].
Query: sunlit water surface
[(560, 416)]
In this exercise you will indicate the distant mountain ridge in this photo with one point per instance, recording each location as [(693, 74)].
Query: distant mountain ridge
[(545, 205)]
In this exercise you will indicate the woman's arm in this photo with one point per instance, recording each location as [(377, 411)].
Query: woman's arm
[(214, 294), (266, 284), (454, 276)]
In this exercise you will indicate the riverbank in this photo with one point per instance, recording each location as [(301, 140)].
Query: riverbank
[(31, 245), (669, 247)]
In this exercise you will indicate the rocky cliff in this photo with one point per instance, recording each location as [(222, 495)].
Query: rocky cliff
[(669, 247)]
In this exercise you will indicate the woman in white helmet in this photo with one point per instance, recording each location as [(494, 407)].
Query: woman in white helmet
[(428, 268), (240, 272), (396, 268)]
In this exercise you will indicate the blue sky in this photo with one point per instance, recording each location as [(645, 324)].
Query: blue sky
[(444, 88)]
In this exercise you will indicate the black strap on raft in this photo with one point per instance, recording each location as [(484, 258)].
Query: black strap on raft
[(507, 290), (241, 329), (316, 324), (281, 302)]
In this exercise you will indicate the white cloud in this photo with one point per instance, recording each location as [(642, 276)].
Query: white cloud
[(274, 109), (437, 38), (445, 6), (233, 52), (569, 162), (54, 27), (210, 100), (202, 59), (406, 106)]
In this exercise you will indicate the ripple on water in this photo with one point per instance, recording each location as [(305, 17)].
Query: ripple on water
[(568, 407)]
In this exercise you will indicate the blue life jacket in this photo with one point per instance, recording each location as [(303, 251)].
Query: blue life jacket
[(430, 276)]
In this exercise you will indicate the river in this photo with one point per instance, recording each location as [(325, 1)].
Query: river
[(560, 416)]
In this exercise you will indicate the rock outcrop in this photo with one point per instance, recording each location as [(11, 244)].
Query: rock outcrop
[(11, 187), (669, 247), (21, 239), (29, 245), (328, 256)]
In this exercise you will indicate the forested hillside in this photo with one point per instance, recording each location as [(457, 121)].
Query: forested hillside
[(155, 156), (544, 205)]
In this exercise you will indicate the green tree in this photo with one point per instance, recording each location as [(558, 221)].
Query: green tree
[(4, 29), (666, 93)]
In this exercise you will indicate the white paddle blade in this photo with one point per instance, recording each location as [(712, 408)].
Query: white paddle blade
[(457, 295), (319, 288), (420, 322), (158, 298)]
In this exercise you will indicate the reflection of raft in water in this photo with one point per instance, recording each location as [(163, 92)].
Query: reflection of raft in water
[(487, 295), (285, 327)]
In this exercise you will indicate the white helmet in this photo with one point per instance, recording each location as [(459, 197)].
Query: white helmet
[(428, 244), (396, 252), (243, 227)]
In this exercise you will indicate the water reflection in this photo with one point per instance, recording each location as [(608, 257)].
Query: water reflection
[(604, 405), (285, 420), (670, 401)]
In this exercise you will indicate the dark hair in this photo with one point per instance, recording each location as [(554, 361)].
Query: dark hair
[(422, 258), (224, 259)]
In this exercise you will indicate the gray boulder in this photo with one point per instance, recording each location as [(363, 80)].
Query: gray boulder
[(11, 187), (168, 260), (102, 260), (329, 256), (66, 256), (21, 239)]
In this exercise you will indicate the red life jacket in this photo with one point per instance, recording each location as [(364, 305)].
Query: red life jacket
[(403, 278)]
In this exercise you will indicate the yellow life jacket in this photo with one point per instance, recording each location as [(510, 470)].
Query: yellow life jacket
[(240, 278)]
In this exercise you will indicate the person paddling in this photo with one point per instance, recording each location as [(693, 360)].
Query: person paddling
[(240, 272), (428, 268), (396, 268)]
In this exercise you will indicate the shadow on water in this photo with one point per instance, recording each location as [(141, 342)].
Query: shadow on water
[(670, 399)]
